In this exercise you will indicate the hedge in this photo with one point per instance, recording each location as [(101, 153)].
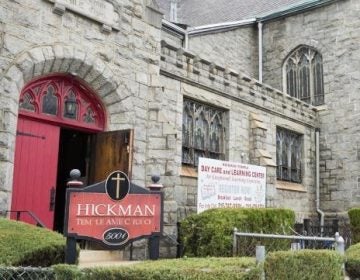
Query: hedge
[(181, 269), (304, 265), (22, 244), (352, 264), (210, 233), (354, 216)]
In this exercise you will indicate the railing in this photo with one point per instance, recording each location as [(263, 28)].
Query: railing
[(18, 216), (301, 242)]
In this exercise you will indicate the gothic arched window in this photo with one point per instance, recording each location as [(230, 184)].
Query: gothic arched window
[(303, 75), (62, 99), (203, 132)]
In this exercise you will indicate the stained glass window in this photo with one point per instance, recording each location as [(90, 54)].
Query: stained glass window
[(27, 102), (50, 102), (203, 132), (288, 155), (89, 116), (62, 99), (304, 75)]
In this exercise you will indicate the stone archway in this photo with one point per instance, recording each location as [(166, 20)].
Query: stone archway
[(41, 61)]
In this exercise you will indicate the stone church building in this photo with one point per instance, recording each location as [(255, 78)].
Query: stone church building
[(148, 86)]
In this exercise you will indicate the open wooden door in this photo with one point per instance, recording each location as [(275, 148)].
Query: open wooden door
[(35, 171), (110, 151)]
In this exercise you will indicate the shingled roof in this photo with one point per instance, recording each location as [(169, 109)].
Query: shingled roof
[(203, 12)]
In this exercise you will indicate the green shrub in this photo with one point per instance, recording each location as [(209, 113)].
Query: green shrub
[(26, 245), (181, 269), (67, 272), (210, 233), (354, 216), (304, 265), (352, 264)]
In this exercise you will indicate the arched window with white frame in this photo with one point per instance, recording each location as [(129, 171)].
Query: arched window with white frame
[(303, 75)]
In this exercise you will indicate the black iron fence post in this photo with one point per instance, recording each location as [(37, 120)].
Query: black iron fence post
[(154, 240)]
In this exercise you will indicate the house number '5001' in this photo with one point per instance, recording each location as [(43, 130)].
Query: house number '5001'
[(115, 236)]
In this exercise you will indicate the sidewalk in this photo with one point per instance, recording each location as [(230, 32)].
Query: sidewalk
[(107, 263), (98, 258)]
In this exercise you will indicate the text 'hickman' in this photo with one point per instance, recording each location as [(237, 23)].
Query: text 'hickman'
[(89, 209)]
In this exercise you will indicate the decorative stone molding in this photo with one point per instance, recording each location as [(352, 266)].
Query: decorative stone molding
[(99, 11)]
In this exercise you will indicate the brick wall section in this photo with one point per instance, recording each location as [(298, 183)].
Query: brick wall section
[(333, 31), (254, 111), (235, 48)]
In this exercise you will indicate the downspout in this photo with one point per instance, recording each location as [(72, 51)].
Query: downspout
[(317, 178), (260, 48), (186, 40)]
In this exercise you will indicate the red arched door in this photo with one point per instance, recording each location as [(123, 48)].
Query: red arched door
[(48, 105)]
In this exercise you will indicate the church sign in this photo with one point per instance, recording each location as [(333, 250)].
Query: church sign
[(113, 212)]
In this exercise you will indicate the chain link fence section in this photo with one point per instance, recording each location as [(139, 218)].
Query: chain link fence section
[(26, 273), (244, 243)]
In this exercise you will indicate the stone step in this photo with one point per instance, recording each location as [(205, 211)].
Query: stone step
[(92, 256)]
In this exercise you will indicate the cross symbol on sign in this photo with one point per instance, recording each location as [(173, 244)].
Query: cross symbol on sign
[(118, 179)]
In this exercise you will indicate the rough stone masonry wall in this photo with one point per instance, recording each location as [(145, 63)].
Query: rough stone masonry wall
[(334, 31), (254, 110), (120, 64), (235, 48)]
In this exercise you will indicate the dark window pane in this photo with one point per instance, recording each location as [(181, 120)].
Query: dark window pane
[(203, 132), (288, 155), (304, 75), (27, 102), (304, 72), (89, 117), (318, 81), (50, 102)]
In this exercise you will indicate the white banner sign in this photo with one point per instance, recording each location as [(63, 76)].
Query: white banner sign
[(224, 184)]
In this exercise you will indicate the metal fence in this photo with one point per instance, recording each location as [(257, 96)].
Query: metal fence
[(244, 243), (26, 273)]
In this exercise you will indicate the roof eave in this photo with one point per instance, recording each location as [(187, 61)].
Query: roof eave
[(295, 10)]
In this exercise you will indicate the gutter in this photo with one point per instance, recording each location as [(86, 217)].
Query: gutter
[(173, 27), (178, 30), (219, 26)]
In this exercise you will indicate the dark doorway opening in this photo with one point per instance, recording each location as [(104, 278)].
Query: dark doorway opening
[(74, 153)]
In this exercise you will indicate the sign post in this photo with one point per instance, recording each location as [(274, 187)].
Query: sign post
[(113, 213), (70, 251)]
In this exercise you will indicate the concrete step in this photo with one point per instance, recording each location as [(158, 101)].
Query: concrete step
[(93, 256)]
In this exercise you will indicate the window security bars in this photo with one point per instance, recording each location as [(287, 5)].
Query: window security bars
[(304, 75), (203, 132), (288, 155)]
